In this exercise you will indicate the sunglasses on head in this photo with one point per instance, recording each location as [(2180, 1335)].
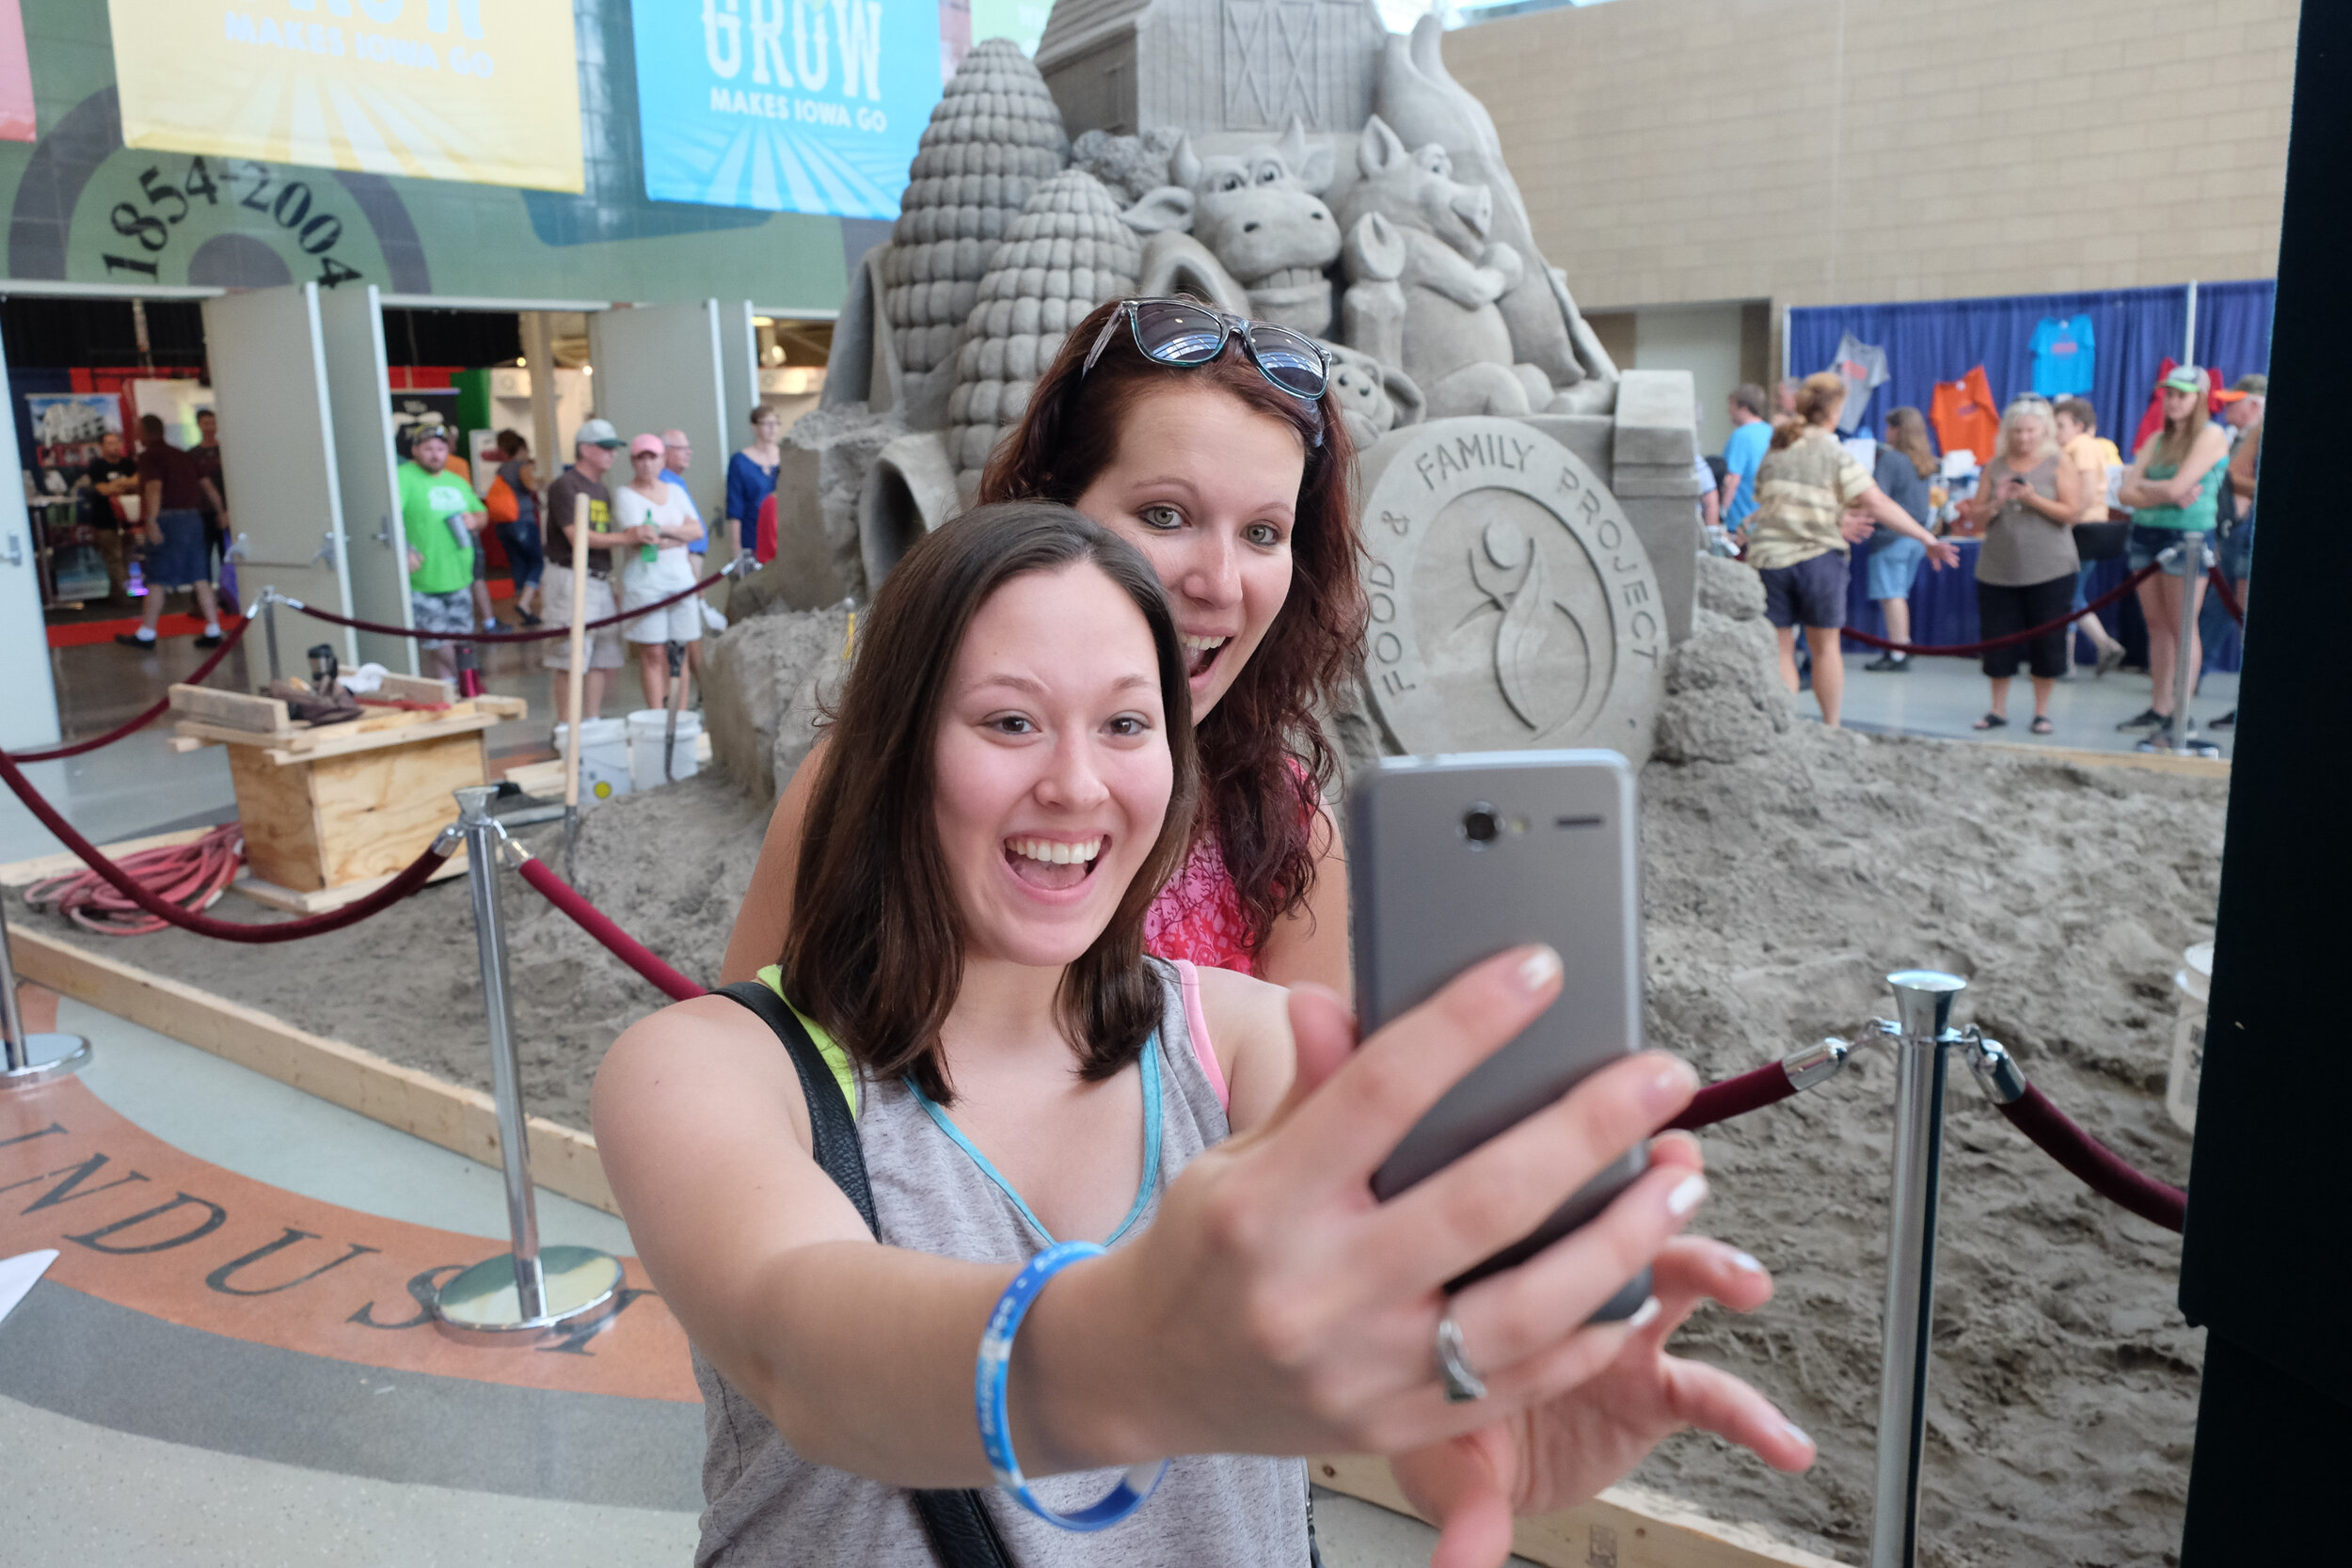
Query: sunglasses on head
[(1180, 333)]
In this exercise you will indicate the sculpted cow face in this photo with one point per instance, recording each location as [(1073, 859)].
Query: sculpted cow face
[(1417, 190), (1260, 213)]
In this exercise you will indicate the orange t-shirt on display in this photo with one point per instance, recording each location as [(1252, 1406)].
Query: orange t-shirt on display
[(1965, 415)]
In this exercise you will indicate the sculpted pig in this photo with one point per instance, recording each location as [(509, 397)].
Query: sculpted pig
[(1419, 243), (1371, 398), (1261, 215)]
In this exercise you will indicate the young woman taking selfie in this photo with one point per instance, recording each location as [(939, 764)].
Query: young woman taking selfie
[(1202, 442), (1009, 780)]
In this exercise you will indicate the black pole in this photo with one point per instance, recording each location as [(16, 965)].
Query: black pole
[(2267, 1260)]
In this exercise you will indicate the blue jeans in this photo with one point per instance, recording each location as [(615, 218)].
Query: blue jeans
[(526, 556)]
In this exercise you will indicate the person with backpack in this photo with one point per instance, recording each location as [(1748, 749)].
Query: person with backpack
[(967, 1189), (512, 504)]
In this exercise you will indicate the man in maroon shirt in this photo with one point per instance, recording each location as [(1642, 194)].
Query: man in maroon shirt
[(173, 493)]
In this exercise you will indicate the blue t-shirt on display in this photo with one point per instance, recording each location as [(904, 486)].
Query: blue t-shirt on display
[(1743, 453), (2062, 358)]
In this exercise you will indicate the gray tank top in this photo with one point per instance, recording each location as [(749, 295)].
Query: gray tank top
[(767, 1505)]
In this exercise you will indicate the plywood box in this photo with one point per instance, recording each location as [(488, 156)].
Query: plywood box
[(329, 807)]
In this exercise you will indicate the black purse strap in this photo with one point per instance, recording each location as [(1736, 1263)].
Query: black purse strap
[(962, 1533)]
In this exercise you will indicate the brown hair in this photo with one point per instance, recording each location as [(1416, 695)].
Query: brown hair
[(1907, 432), (1264, 759), (1751, 397), (2080, 411), (2175, 443), (876, 949), (1818, 397)]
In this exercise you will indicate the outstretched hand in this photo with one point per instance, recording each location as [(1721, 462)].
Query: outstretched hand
[(1592, 1415), (1566, 1449)]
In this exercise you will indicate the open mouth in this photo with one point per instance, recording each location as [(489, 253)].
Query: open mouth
[(1053, 863), (1201, 654)]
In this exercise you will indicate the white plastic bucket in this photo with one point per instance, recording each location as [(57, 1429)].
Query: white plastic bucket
[(2191, 986), (647, 728), (603, 758)]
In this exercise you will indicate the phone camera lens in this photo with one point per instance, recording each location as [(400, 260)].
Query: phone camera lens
[(1480, 825)]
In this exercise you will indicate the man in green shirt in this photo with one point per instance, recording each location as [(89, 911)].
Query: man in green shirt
[(440, 513)]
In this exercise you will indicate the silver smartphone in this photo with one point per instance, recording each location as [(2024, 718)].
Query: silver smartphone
[(1452, 859)]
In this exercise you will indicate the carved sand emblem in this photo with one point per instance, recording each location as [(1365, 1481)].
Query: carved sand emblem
[(1509, 570), (1509, 602)]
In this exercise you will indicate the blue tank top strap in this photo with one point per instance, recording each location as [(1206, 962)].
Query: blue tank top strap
[(1149, 1063)]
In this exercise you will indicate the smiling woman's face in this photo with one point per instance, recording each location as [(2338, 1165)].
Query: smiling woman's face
[(1052, 763), (1207, 487)]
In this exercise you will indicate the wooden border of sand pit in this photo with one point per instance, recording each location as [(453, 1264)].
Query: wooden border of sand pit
[(450, 1114), (1624, 1527)]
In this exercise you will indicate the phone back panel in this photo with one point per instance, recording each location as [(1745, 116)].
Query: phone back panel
[(1428, 901)]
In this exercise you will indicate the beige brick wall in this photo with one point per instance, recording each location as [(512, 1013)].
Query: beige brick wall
[(1827, 152)]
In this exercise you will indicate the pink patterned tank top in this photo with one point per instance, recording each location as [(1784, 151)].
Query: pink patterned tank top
[(1198, 915)]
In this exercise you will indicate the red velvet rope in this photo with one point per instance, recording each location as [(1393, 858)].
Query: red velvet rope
[(542, 634), (1736, 1097), (2099, 1167), (1966, 650), (626, 948), (147, 717), (391, 893), (2228, 600)]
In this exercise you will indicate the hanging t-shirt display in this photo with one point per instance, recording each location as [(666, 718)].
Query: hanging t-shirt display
[(1964, 416), (1863, 368), (2062, 358)]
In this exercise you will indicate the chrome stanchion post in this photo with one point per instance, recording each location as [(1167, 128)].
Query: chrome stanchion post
[(269, 627), (1923, 1005), (27, 1060), (2193, 565), (528, 1290)]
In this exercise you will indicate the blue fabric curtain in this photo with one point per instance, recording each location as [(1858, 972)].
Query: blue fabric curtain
[(2132, 329), (2233, 327)]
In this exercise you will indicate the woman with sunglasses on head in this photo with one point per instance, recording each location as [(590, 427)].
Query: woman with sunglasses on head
[(963, 999), (1203, 440)]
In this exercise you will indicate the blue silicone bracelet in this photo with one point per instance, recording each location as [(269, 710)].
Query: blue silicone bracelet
[(988, 1400)]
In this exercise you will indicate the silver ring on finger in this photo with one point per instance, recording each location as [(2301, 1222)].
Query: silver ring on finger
[(1454, 1369)]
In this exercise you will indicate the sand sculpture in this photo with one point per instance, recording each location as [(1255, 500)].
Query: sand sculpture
[(1316, 171)]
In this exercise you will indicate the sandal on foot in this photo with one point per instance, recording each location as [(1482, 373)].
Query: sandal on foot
[(1992, 721), (2042, 726)]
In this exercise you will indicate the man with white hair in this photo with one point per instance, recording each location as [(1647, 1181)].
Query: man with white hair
[(678, 454)]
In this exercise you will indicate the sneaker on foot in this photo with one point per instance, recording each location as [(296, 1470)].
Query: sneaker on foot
[(2226, 722), (210, 639), (2110, 658), (2143, 721), (133, 640), (1889, 661)]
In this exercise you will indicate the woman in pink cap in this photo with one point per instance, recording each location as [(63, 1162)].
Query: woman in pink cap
[(659, 568)]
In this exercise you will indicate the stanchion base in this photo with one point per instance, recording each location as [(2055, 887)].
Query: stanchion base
[(482, 1306), (47, 1058)]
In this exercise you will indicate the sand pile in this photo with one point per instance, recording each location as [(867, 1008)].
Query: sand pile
[(1787, 868)]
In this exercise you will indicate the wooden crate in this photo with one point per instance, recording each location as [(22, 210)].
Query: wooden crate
[(315, 825), (337, 808)]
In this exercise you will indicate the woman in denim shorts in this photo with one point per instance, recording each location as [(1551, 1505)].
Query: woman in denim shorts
[(1804, 488), (2171, 488)]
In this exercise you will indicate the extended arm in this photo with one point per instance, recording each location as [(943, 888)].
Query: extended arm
[(1879, 504), (1274, 1306)]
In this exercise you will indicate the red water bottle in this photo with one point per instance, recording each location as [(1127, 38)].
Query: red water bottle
[(469, 671)]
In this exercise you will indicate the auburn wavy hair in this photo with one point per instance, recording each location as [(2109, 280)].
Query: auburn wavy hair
[(1264, 758), (875, 952)]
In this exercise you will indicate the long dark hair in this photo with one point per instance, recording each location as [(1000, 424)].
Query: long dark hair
[(1907, 432), (1264, 758), (876, 949)]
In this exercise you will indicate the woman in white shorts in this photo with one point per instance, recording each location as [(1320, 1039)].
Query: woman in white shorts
[(648, 501)]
